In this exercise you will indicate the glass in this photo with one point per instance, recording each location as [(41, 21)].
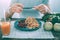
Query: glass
[(5, 27)]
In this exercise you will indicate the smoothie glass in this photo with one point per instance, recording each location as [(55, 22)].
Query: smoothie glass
[(5, 27)]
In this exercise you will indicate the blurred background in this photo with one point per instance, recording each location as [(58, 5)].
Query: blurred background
[(54, 5)]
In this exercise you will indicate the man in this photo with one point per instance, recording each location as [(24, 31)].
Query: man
[(19, 5)]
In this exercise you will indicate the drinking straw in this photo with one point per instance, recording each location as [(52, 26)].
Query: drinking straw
[(4, 16)]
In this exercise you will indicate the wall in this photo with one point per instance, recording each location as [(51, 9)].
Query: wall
[(55, 5), (3, 5)]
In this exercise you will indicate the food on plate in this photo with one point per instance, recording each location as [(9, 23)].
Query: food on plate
[(48, 26), (21, 23), (29, 22), (57, 27)]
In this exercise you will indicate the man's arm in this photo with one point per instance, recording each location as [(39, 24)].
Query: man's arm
[(46, 2), (8, 12)]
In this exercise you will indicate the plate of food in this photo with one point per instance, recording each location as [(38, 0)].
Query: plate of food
[(28, 24)]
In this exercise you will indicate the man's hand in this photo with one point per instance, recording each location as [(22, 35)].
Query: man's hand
[(16, 8), (42, 8)]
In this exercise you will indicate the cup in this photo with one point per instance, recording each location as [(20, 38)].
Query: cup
[(5, 27)]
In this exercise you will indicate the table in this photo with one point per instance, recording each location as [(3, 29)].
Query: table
[(38, 34)]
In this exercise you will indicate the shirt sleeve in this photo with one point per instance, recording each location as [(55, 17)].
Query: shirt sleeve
[(14, 1), (45, 2)]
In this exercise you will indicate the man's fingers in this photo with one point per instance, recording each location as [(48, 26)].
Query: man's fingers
[(19, 5), (36, 7), (43, 11), (42, 8), (19, 8), (13, 9), (16, 9)]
